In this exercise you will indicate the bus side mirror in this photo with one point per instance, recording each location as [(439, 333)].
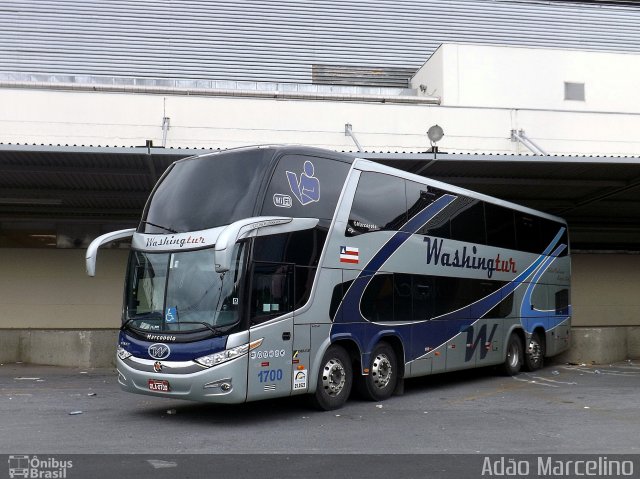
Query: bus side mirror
[(251, 227), (92, 250)]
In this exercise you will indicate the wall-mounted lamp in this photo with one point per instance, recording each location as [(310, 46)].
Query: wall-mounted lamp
[(435, 134)]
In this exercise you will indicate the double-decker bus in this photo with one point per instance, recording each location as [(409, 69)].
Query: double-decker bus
[(266, 272)]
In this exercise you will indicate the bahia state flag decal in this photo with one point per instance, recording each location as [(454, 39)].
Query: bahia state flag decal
[(348, 254)]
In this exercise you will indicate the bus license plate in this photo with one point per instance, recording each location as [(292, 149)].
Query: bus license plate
[(159, 385)]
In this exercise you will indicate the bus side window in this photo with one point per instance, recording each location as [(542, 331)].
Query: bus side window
[(451, 294), (528, 233), (562, 301), (423, 295), (377, 300), (485, 288), (378, 205), (336, 299), (548, 231), (402, 307), (438, 226), (271, 291), (419, 197), (468, 224), (302, 287), (337, 296), (501, 231)]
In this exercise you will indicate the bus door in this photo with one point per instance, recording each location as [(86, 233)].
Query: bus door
[(272, 296)]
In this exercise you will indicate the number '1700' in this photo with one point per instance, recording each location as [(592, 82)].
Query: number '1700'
[(270, 375)]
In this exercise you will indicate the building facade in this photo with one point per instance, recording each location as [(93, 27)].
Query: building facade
[(87, 88)]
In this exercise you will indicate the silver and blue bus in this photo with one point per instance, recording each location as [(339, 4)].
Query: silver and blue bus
[(267, 272)]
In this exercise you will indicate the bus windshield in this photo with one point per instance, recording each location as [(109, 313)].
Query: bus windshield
[(181, 292)]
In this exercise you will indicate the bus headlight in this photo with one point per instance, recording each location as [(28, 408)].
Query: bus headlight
[(228, 354), (123, 353)]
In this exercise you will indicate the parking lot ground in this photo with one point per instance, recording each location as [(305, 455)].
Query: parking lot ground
[(561, 409)]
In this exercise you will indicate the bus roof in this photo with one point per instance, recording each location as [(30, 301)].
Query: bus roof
[(381, 166)]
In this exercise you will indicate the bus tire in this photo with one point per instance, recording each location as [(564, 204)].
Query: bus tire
[(335, 379), (534, 353), (381, 381), (514, 357)]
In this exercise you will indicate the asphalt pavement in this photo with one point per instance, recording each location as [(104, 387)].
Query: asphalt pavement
[(559, 409)]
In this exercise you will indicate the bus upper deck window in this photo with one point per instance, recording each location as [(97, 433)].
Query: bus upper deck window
[(368, 213)]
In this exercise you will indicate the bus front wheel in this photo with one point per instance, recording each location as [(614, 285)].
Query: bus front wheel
[(335, 378), (381, 380), (514, 358)]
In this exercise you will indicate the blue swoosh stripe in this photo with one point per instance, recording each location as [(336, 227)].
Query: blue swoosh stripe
[(350, 305), (351, 300), (486, 304)]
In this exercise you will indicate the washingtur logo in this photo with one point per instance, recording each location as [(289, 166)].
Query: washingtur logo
[(180, 241), (159, 351), (306, 189), (27, 466), (466, 258)]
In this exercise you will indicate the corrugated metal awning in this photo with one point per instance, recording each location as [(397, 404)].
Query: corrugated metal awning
[(79, 182), (599, 196)]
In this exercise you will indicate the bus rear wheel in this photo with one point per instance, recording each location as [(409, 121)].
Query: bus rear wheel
[(381, 381), (335, 379), (513, 361), (534, 354)]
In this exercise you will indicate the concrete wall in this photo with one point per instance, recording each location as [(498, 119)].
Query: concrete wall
[(605, 290), (430, 79), (125, 119), (74, 348), (49, 289), (52, 313), (606, 308), (9, 345), (96, 348), (519, 77), (602, 345)]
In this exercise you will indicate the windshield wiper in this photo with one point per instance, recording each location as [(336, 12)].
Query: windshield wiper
[(170, 230), (213, 329), (126, 324)]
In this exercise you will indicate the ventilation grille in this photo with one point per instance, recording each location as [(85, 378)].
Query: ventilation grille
[(362, 76)]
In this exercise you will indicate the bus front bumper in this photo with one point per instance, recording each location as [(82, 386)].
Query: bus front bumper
[(225, 383)]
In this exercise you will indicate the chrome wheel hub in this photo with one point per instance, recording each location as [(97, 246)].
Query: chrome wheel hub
[(381, 371), (512, 356), (534, 351), (333, 377)]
